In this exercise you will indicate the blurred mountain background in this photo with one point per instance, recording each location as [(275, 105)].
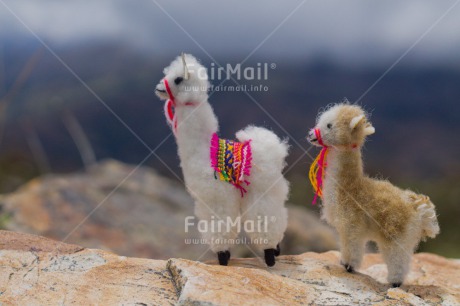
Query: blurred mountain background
[(77, 85)]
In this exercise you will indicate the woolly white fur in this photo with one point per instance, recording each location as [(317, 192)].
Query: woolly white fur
[(215, 199)]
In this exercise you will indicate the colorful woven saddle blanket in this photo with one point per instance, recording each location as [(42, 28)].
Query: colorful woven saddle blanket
[(231, 161)]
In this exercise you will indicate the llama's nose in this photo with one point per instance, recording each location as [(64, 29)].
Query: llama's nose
[(312, 136), (161, 88)]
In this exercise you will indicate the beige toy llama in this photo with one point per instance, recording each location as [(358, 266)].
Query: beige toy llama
[(362, 208)]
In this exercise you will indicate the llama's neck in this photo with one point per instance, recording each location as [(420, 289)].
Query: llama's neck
[(344, 166), (195, 126)]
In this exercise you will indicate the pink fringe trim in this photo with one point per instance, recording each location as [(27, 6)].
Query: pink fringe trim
[(246, 161), (214, 150)]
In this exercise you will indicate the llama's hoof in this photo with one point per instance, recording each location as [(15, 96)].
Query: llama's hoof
[(223, 257), (396, 285), (277, 250), (348, 267), (270, 257)]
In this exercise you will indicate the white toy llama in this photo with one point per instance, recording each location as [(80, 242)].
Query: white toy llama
[(362, 208), (232, 182)]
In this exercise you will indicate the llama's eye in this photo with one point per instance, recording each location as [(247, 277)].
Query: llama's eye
[(178, 80), (329, 125)]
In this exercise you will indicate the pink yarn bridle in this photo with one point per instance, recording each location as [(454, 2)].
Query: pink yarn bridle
[(318, 168), (170, 107), (321, 162)]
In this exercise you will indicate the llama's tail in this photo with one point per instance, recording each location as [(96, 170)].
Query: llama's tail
[(267, 148), (427, 214)]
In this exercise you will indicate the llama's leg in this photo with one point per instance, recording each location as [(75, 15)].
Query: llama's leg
[(397, 256), (352, 248), (277, 250), (218, 221), (265, 217), (223, 257)]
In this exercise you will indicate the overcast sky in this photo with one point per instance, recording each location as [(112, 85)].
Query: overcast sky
[(347, 31)]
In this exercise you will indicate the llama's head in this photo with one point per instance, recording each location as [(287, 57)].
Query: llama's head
[(185, 80), (342, 126)]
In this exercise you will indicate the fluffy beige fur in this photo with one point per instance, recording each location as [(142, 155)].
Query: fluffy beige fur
[(362, 208)]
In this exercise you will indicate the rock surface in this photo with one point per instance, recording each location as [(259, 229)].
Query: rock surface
[(131, 211), (39, 271)]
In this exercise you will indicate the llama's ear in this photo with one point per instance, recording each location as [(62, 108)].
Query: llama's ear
[(369, 129), (354, 122), (186, 74)]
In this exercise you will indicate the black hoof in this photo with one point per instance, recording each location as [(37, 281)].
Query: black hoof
[(396, 285), (223, 257), (270, 257), (278, 250), (348, 267)]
